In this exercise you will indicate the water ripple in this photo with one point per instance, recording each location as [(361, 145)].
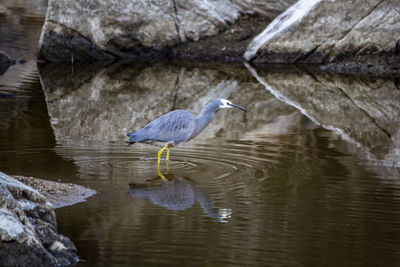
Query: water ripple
[(230, 165)]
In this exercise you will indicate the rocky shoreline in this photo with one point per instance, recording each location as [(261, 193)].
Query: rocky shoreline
[(58, 194), (379, 64), (28, 225), (340, 36)]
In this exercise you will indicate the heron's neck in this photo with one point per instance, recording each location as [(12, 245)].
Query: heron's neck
[(201, 122)]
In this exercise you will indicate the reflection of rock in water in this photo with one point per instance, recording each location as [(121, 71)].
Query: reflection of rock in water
[(179, 194), (20, 26), (105, 103), (279, 125), (363, 110), (101, 103)]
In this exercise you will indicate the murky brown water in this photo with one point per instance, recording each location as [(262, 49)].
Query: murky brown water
[(309, 176)]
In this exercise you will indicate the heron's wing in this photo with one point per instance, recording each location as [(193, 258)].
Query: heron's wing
[(175, 126)]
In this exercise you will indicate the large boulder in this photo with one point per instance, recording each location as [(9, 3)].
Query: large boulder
[(28, 228), (104, 30), (319, 31)]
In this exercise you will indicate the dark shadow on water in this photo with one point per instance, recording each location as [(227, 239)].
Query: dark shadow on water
[(178, 193)]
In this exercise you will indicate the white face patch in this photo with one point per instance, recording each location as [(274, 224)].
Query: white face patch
[(225, 103)]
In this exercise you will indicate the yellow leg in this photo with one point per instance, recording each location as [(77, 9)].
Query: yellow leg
[(168, 160), (168, 154), (160, 154), (158, 162)]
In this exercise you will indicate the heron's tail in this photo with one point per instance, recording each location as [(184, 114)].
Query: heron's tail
[(134, 137), (131, 136)]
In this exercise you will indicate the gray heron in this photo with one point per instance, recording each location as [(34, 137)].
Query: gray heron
[(177, 126)]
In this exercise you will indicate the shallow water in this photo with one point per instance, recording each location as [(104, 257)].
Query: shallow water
[(309, 176)]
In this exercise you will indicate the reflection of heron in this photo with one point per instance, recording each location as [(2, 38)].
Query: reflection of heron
[(179, 194), (176, 127)]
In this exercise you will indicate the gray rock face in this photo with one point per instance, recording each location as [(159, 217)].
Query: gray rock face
[(28, 228), (270, 9), (103, 30), (320, 31)]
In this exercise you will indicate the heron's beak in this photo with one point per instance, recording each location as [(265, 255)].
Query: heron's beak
[(238, 107)]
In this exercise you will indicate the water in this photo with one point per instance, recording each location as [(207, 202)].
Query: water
[(309, 176)]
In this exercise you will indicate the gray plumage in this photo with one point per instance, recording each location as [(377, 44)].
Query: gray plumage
[(178, 126)]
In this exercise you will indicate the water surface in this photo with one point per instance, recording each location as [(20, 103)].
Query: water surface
[(309, 176)]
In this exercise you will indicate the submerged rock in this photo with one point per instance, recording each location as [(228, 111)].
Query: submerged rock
[(104, 30), (319, 31), (28, 228)]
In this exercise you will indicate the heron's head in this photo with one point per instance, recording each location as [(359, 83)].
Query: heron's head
[(225, 103)]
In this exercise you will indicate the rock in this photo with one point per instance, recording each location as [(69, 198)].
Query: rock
[(28, 228), (58, 194), (73, 46), (105, 30), (320, 31), (270, 9), (363, 110), (227, 46)]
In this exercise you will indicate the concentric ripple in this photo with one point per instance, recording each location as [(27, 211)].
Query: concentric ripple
[(216, 163)]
